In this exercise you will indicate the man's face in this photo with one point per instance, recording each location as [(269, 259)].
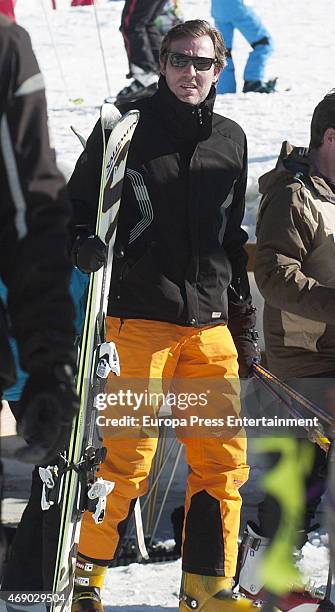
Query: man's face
[(187, 83)]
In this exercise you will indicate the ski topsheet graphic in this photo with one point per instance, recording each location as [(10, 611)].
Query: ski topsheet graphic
[(72, 483)]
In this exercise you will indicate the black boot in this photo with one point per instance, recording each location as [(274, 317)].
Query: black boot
[(259, 86), (135, 91)]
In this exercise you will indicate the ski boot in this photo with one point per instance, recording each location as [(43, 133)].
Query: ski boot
[(252, 550), (211, 594), (260, 86), (144, 85), (88, 581), (135, 91)]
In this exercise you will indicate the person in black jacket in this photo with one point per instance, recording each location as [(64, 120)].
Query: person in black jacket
[(179, 311), (34, 262)]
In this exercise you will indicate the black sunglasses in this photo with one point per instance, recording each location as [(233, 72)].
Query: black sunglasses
[(180, 60)]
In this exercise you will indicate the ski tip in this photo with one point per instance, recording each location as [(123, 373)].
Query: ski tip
[(109, 115), (80, 137)]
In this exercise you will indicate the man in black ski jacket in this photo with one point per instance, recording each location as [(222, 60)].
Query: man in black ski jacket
[(179, 307), (34, 262)]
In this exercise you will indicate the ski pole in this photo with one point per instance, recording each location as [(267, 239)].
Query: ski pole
[(149, 494), (166, 493), (261, 372), (102, 48), (159, 457), (54, 46), (315, 434)]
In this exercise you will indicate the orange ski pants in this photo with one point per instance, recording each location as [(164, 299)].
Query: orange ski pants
[(164, 356)]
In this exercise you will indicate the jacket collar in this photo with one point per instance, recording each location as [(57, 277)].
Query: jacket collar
[(295, 162), (187, 122)]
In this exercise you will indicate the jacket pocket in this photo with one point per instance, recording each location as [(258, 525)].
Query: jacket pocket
[(145, 282)]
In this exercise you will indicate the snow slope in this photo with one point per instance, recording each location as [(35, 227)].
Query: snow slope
[(67, 47), (66, 43)]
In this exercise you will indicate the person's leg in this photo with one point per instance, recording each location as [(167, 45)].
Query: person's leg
[(269, 511), (127, 464), (251, 27), (217, 461), (260, 40), (154, 34), (319, 390), (146, 355), (255, 66), (142, 40), (137, 17), (227, 80), (23, 572), (32, 555), (221, 14)]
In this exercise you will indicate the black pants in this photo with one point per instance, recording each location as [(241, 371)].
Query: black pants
[(31, 563), (30, 566), (141, 37), (318, 389)]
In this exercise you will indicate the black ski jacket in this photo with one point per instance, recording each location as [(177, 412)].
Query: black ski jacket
[(34, 214), (179, 253)]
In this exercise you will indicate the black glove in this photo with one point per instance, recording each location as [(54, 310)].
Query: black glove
[(248, 352), (47, 407), (89, 253)]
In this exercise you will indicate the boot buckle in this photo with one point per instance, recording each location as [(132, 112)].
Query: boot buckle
[(190, 602)]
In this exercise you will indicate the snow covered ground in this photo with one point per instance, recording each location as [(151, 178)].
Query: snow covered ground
[(66, 43)]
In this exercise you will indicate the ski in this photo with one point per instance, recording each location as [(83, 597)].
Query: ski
[(80, 137), (72, 484)]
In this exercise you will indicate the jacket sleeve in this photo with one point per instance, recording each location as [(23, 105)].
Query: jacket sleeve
[(35, 213), (285, 237), (241, 313)]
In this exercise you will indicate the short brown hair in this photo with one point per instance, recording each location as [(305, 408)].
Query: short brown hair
[(323, 118), (195, 28)]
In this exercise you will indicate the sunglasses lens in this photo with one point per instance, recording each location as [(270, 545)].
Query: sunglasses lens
[(179, 60), (202, 63)]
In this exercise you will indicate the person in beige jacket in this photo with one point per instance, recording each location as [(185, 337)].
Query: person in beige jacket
[(295, 273)]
